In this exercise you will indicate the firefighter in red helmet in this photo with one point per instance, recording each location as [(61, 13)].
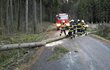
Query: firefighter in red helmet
[(63, 28)]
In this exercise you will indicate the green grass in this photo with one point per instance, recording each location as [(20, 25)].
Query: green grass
[(58, 53)]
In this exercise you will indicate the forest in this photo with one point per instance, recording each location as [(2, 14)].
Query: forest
[(29, 16), (28, 20)]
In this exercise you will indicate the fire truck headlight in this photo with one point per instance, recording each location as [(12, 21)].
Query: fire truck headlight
[(63, 21), (67, 24), (58, 25)]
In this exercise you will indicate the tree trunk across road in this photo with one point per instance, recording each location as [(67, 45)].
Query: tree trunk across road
[(23, 45), (29, 45)]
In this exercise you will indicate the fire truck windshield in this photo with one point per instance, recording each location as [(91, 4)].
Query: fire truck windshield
[(63, 17)]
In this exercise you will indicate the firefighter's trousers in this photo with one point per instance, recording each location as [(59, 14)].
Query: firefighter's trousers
[(62, 32), (70, 33)]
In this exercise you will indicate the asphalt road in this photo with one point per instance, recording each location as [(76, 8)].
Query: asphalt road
[(92, 54)]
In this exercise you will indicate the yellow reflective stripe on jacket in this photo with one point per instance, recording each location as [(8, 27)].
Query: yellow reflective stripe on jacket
[(79, 28), (70, 29)]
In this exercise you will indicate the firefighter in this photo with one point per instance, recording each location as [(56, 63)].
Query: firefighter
[(74, 27), (79, 28), (73, 23), (63, 28), (85, 26), (70, 32)]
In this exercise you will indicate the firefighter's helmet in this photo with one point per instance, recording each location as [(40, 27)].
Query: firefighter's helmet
[(72, 20), (78, 20), (63, 21), (82, 21)]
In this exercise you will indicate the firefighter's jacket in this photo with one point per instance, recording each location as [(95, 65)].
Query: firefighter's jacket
[(74, 25), (79, 26), (63, 27), (84, 26), (71, 29)]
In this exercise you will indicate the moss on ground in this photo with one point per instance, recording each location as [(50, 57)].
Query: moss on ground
[(58, 53)]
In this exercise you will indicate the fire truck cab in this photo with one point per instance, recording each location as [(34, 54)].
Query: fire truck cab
[(62, 18)]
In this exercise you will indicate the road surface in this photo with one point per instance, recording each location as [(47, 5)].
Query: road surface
[(92, 54)]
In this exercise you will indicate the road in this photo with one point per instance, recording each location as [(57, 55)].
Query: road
[(92, 54)]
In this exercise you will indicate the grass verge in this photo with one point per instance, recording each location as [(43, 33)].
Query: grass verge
[(58, 53), (12, 56), (21, 38)]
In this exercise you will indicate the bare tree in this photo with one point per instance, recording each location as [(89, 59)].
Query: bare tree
[(7, 17), (11, 11), (18, 25), (35, 16), (1, 18), (26, 16), (41, 12)]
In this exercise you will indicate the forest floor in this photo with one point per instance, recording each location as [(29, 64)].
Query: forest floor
[(8, 57), (11, 59)]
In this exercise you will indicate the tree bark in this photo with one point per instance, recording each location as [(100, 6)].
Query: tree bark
[(41, 12), (1, 18), (7, 17), (23, 45), (30, 45), (12, 25), (26, 16), (35, 16), (19, 5)]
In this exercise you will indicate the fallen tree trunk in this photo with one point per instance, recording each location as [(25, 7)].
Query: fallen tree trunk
[(22, 45), (29, 45)]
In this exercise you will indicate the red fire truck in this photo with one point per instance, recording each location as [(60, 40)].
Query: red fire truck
[(62, 18)]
